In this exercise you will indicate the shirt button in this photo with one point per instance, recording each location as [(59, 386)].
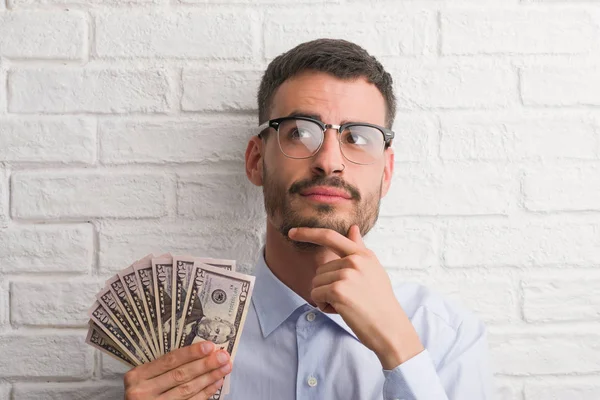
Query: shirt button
[(310, 317), (312, 381)]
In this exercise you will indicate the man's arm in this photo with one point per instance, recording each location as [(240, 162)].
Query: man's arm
[(462, 373)]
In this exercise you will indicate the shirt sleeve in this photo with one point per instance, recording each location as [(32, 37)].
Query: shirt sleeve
[(462, 373)]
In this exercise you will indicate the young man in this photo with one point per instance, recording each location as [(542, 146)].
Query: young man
[(325, 321)]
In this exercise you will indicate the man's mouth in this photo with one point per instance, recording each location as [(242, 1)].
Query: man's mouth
[(325, 194)]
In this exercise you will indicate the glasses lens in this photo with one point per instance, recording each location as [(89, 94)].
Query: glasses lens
[(362, 144), (299, 138)]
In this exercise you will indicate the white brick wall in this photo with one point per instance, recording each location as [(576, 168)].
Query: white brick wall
[(123, 125)]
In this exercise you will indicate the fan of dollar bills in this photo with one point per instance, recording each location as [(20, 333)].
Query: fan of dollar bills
[(159, 304)]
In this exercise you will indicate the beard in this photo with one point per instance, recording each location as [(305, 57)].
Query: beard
[(279, 202)]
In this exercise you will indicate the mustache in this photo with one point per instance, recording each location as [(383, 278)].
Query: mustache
[(332, 181)]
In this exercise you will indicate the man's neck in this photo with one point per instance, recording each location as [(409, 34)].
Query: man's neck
[(294, 267)]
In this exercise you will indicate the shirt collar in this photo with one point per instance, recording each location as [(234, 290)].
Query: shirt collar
[(275, 302)]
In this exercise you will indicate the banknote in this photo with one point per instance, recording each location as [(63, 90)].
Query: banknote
[(162, 273), (118, 290), (104, 320), (134, 295), (98, 339), (110, 303), (158, 304), (215, 309), (143, 271), (229, 265), (182, 271)]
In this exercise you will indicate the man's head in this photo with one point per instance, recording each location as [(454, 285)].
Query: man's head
[(333, 183)]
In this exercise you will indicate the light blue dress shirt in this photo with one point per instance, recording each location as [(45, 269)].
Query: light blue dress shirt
[(291, 350)]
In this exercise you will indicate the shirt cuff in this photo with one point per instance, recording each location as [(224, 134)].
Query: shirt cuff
[(415, 379)]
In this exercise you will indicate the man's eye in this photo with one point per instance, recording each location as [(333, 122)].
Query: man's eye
[(299, 133), (357, 139)]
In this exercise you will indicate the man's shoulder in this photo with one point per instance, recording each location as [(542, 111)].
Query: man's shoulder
[(426, 304)]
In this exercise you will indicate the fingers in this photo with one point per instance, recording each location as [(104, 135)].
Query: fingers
[(202, 384), (192, 377), (331, 239), (173, 360), (209, 391)]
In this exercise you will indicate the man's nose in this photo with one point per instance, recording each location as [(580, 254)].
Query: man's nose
[(329, 159)]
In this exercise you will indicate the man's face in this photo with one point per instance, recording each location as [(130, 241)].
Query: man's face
[(288, 183), (214, 330)]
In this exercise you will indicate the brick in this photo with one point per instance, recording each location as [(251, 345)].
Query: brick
[(219, 90), (112, 368), (4, 304), (42, 34), (401, 244), (502, 243), (86, 3), (4, 392), (46, 355), (102, 390), (508, 390), (454, 86), (560, 86), (561, 300), (55, 303), (181, 140), (4, 198), (515, 31), (542, 355), (84, 194), (3, 84), (562, 188), (492, 299), (513, 137), (389, 31), (46, 248), (121, 242), (183, 34), (414, 135), (47, 140), (562, 391), (219, 195), (451, 190), (93, 90)]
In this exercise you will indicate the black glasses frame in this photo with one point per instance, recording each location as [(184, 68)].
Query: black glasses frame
[(388, 134)]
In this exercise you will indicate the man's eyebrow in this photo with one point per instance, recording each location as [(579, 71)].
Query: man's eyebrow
[(318, 117)]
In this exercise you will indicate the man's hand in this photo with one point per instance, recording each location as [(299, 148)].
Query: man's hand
[(192, 372), (358, 288)]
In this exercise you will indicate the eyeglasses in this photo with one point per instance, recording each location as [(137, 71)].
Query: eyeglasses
[(302, 137)]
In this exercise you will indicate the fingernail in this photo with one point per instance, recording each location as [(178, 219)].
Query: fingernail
[(226, 368), (207, 347), (292, 231), (222, 357)]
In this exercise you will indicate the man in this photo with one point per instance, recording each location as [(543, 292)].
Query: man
[(325, 321)]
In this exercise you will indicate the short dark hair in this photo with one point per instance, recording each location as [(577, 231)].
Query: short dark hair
[(338, 57)]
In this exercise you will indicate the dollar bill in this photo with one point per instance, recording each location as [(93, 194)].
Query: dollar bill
[(120, 294), (134, 295), (215, 309), (182, 271), (143, 271), (98, 339), (105, 321), (109, 301), (229, 265), (162, 274)]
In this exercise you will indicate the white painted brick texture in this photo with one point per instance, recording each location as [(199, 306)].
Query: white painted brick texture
[(124, 123)]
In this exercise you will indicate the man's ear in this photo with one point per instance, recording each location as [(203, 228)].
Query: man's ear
[(388, 171), (254, 160)]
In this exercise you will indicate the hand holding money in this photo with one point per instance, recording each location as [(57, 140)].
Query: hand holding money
[(193, 372), (158, 305)]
